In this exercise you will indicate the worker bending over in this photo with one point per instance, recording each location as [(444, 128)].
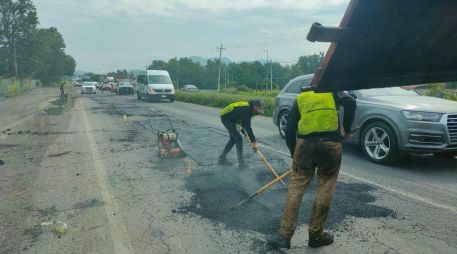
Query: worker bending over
[(239, 113)]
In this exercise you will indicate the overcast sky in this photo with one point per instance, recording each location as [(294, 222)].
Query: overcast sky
[(106, 35)]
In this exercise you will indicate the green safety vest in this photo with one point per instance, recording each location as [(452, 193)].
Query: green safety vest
[(232, 106), (318, 113)]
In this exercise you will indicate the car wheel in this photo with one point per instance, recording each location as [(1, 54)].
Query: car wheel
[(379, 143), (138, 96), (446, 155), (282, 123), (172, 99)]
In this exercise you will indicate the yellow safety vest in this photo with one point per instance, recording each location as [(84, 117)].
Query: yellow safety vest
[(318, 113), (232, 106)]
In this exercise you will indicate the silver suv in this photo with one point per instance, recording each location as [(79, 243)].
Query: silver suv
[(392, 121)]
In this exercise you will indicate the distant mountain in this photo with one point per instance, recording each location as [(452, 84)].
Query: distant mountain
[(80, 73), (203, 61)]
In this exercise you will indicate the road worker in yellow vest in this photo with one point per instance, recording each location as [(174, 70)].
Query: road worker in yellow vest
[(239, 113), (314, 134)]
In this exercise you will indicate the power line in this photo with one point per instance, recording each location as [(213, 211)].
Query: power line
[(272, 40)]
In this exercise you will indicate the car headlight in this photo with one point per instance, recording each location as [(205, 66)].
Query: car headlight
[(422, 116)]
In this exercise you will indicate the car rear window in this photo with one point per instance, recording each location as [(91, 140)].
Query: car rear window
[(296, 85)]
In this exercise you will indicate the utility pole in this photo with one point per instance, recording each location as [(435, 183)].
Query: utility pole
[(220, 64), (266, 68), (15, 62), (225, 82), (227, 75), (271, 75), (177, 81)]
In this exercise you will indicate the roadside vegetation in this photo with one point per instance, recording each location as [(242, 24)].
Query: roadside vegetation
[(16, 88), (442, 90), (227, 96)]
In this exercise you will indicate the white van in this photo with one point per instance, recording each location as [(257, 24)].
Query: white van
[(155, 85)]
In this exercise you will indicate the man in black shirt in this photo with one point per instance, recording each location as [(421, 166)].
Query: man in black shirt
[(239, 113)]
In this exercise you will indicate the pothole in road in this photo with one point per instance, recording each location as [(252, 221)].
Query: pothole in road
[(59, 154), (54, 111), (127, 136), (89, 203), (29, 132), (50, 211), (215, 194)]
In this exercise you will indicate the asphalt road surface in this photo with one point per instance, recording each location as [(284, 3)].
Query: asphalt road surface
[(91, 162)]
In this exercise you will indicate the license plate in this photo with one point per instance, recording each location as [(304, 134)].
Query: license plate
[(164, 96)]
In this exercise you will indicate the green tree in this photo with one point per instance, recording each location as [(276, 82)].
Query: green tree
[(309, 64), (18, 22), (53, 60), (69, 65), (158, 65)]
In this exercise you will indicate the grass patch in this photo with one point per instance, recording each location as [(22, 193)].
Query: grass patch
[(247, 91), (220, 100), (440, 91), (15, 89)]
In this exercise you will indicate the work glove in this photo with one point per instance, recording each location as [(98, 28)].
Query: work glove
[(255, 147)]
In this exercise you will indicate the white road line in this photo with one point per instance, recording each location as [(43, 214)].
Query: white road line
[(413, 196), (121, 241)]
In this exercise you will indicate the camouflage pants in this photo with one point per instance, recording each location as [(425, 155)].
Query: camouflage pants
[(311, 154)]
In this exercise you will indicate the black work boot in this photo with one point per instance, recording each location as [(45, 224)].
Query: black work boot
[(223, 161), (325, 239), (276, 241)]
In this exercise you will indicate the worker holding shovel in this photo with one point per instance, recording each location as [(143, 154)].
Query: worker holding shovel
[(317, 147), (239, 113)]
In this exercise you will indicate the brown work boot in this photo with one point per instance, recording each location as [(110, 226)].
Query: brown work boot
[(325, 238), (276, 241)]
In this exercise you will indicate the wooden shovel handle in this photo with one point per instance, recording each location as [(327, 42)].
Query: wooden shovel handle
[(270, 184)]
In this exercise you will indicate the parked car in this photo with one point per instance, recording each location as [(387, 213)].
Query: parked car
[(88, 87), (392, 121), (155, 85), (125, 87), (190, 88)]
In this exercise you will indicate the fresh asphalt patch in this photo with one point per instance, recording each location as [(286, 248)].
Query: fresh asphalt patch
[(217, 192)]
